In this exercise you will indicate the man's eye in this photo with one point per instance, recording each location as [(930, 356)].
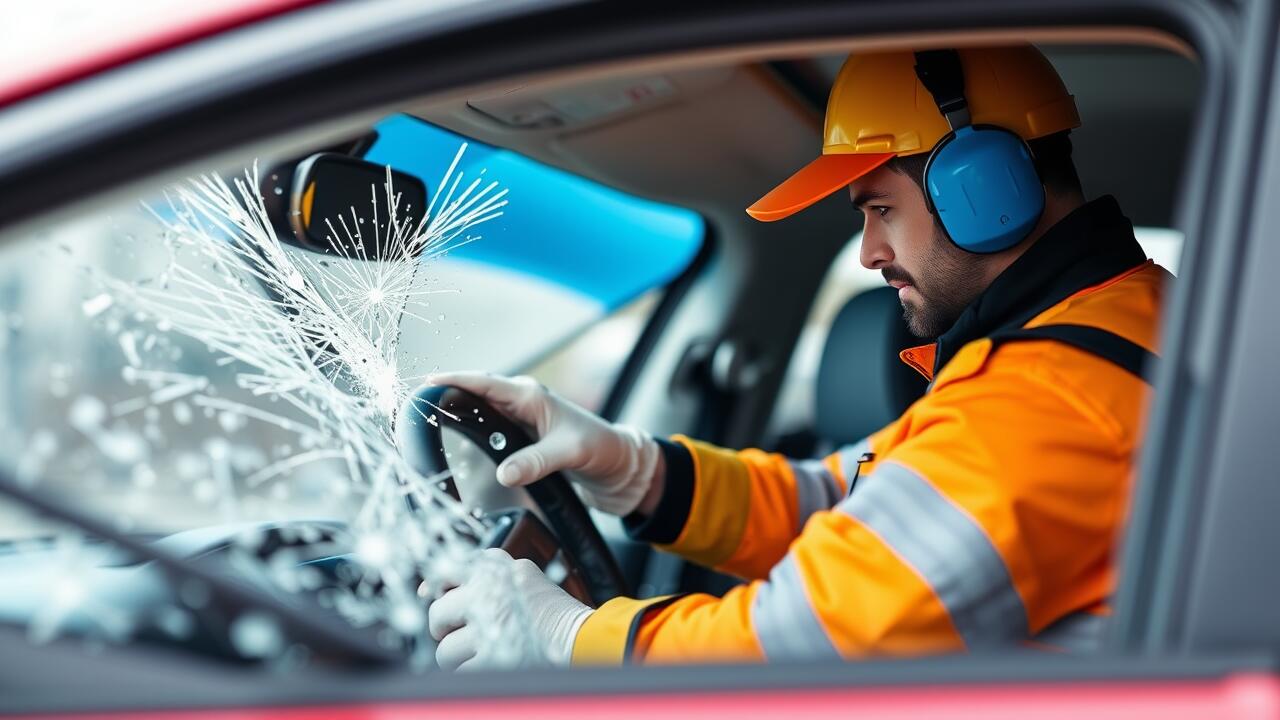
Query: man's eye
[(881, 210)]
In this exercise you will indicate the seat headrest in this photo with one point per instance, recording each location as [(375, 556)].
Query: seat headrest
[(862, 384)]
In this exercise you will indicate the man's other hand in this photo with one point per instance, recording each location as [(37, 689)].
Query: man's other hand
[(504, 613)]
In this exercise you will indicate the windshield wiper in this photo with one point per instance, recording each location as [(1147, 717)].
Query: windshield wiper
[(334, 639)]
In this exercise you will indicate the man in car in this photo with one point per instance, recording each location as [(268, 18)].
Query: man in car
[(986, 514)]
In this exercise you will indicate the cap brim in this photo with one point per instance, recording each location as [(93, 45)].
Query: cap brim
[(813, 182)]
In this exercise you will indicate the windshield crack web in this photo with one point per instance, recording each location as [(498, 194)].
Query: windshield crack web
[(310, 341)]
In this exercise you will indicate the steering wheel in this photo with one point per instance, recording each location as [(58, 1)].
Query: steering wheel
[(591, 572)]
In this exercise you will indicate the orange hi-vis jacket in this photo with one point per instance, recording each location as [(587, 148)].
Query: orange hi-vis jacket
[(986, 515)]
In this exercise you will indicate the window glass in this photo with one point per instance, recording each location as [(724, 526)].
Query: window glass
[(565, 253), (173, 369), (847, 277), (104, 403)]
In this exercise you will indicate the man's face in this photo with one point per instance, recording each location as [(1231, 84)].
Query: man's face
[(935, 279)]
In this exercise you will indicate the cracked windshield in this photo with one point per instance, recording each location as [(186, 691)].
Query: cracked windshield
[(218, 429)]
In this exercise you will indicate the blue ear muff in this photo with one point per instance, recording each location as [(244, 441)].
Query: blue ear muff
[(982, 185)]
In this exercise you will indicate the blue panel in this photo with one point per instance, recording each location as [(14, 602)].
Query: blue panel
[(565, 229)]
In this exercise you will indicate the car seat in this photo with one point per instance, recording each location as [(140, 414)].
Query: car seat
[(862, 384)]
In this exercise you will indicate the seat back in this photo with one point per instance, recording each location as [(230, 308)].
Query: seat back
[(862, 383)]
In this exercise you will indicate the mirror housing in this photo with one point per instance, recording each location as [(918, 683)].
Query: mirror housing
[(333, 198)]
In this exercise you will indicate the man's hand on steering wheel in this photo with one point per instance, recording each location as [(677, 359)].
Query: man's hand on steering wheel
[(506, 612), (619, 468)]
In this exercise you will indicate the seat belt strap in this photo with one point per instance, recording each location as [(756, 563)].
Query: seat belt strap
[(1102, 343)]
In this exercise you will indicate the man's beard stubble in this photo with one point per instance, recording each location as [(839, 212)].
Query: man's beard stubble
[(948, 281)]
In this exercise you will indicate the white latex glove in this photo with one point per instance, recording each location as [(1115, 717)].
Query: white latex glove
[(615, 463), (505, 613)]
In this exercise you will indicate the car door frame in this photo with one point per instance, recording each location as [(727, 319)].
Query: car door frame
[(1197, 511), (1197, 575)]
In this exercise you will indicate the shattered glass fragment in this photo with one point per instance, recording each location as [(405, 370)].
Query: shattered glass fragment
[(256, 635), (96, 305), (87, 413), (295, 389), (555, 571), (175, 622)]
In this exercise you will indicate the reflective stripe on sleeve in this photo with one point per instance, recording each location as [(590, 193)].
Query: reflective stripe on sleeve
[(786, 625), (816, 489), (947, 548)]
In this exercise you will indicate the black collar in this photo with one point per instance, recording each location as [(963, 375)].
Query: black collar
[(1090, 245)]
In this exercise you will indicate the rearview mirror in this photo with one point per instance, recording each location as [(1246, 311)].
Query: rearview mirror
[(336, 201)]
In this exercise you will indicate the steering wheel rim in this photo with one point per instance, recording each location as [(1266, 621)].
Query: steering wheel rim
[(477, 421)]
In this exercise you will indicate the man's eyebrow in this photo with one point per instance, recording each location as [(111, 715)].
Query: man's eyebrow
[(867, 196)]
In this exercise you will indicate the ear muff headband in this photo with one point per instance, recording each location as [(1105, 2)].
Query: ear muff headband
[(980, 181)]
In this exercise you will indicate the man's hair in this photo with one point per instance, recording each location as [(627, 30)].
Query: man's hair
[(1051, 154)]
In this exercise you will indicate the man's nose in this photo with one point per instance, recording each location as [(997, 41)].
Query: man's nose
[(875, 252)]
